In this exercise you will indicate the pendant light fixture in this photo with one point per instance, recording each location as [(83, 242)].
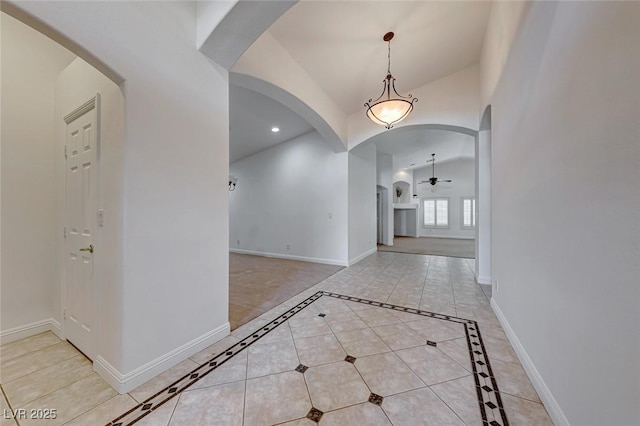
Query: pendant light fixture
[(386, 110)]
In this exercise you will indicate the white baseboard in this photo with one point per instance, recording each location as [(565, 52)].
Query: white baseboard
[(483, 280), (290, 257), (124, 383), (455, 237), (28, 330), (362, 256), (550, 403)]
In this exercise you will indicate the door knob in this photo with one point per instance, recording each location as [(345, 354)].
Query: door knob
[(89, 249)]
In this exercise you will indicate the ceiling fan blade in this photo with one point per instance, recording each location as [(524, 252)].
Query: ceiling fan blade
[(444, 180)]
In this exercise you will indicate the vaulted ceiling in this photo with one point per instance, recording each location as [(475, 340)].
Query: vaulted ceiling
[(339, 44)]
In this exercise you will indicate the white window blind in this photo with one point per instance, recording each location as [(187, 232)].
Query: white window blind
[(468, 212), (435, 212)]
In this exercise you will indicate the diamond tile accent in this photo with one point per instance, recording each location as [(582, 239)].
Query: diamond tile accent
[(314, 414), (483, 374), (301, 368), (487, 388), (430, 343), (350, 359), (146, 407), (173, 389), (494, 423), (322, 315), (375, 399), (490, 405)]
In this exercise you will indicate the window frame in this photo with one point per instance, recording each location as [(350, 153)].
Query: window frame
[(435, 206), (474, 212)]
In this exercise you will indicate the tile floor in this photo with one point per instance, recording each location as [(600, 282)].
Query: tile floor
[(326, 356)]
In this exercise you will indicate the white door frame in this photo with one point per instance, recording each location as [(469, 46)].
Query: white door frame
[(92, 103)]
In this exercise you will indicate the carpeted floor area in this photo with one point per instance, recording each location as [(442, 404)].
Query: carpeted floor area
[(257, 284), (451, 247)]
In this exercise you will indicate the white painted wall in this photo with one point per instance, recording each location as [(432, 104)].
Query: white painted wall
[(294, 194), (483, 206), (175, 241), (362, 202), (75, 85), (566, 207), (462, 173), (384, 177), (30, 64)]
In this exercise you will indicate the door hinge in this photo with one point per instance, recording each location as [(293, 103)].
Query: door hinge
[(65, 151), (64, 232), (64, 313)]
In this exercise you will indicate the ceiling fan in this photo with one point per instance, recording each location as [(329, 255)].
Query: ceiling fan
[(433, 180)]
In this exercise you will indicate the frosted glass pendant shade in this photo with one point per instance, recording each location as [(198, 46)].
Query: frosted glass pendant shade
[(389, 112)]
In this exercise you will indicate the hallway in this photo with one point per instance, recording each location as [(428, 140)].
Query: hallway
[(431, 350)]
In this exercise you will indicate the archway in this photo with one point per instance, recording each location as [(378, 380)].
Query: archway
[(483, 206)]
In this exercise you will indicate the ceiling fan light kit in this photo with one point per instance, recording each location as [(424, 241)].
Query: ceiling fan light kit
[(386, 110)]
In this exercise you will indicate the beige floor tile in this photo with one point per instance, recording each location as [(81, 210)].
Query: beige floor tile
[(34, 361), (41, 382), (72, 401), (337, 326), (522, 412), (271, 358), (319, 350), (308, 327), (363, 342), (460, 395), (276, 398), (513, 380), (334, 386), (361, 414), (217, 405), (431, 364), (213, 350), (386, 374), (162, 380), (231, 371), (419, 407), (499, 349), (5, 420), (105, 412), (280, 334), (458, 350), (299, 422), (29, 344), (435, 330), (399, 336), (161, 416)]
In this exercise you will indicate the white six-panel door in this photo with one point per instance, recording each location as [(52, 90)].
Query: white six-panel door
[(81, 187)]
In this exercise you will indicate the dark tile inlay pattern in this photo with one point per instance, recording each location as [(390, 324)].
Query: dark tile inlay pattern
[(488, 400), (375, 399), (314, 414), (322, 315), (430, 343), (301, 368), (350, 359)]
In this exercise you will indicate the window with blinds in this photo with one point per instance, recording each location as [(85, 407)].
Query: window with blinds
[(468, 212), (435, 212)]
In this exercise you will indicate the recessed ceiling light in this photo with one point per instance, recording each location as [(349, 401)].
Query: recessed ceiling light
[(275, 129)]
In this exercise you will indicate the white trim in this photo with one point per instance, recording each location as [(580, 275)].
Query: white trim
[(81, 110), (124, 383), (455, 237), (362, 256), (290, 257), (550, 403), (31, 329), (483, 280)]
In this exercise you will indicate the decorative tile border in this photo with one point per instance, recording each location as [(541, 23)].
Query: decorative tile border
[(489, 399)]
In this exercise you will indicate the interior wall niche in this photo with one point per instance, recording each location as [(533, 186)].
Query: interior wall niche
[(401, 192)]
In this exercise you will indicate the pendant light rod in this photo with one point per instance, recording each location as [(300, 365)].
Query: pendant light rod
[(389, 111)]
